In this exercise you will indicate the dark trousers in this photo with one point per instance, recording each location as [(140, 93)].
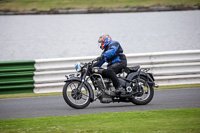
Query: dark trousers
[(111, 72)]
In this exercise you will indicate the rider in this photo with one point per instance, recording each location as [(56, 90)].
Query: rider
[(113, 55)]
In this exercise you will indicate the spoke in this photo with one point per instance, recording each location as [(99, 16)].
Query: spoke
[(85, 95), (71, 87), (83, 98), (77, 98), (74, 85), (140, 98)]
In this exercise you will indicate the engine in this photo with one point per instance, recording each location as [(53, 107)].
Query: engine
[(106, 95)]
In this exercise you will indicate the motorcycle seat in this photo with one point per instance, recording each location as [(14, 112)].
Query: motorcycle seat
[(133, 69), (130, 69)]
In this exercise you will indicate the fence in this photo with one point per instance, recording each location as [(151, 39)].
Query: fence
[(169, 68), (16, 77)]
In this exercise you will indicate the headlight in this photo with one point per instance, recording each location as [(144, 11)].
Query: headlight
[(84, 69)]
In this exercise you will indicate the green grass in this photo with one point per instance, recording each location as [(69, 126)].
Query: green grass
[(6, 96), (64, 4), (161, 121), (178, 86)]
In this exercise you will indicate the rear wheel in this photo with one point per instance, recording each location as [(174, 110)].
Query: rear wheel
[(73, 98), (146, 94)]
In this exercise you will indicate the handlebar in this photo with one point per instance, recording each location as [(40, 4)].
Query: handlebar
[(92, 62)]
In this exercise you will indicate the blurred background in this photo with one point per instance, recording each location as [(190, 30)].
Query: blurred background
[(42, 36)]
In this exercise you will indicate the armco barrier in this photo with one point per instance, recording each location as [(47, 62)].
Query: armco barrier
[(16, 77), (169, 68)]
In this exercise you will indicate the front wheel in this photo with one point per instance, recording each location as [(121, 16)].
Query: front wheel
[(73, 98), (146, 94)]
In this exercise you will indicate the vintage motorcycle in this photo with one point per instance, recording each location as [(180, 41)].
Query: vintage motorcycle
[(88, 85)]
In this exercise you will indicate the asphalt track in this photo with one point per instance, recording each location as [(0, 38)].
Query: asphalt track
[(56, 106)]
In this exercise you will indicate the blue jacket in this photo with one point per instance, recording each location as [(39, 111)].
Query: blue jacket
[(112, 53)]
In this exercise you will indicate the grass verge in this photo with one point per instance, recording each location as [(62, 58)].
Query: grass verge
[(23, 95), (91, 4), (161, 121), (178, 86)]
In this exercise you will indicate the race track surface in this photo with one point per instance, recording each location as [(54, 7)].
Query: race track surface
[(56, 106)]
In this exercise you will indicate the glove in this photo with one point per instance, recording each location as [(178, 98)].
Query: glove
[(100, 58)]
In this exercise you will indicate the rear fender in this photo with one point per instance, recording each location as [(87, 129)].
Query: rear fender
[(86, 84), (150, 80)]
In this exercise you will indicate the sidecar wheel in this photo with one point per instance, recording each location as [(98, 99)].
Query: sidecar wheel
[(74, 99)]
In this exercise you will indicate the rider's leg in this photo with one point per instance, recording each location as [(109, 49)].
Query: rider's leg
[(111, 72)]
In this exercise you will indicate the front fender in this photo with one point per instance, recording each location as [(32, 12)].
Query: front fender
[(86, 84)]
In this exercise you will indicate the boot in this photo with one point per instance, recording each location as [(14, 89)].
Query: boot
[(120, 90)]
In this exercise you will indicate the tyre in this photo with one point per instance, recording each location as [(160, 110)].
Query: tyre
[(74, 99), (146, 95)]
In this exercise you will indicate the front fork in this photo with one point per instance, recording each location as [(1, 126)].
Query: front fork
[(83, 76), (80, 86)]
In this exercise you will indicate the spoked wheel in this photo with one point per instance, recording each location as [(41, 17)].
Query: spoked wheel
[(145, 95), (75, 99)]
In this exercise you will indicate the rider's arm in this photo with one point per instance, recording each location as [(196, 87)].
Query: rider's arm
[(100, 61), (112, 51)]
